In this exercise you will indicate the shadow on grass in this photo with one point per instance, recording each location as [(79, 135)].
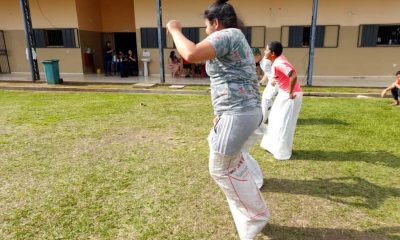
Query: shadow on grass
[(75, 84), (320, 121), (276, 232), (353, 191), (377, 157)]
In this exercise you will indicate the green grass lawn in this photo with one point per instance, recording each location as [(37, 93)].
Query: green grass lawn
[(124, 166), (305, 89), (164, 87)]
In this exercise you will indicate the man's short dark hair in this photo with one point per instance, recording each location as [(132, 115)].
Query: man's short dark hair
[(398, 72), (276, 48)]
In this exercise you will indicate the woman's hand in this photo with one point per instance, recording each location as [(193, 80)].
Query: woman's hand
[(174, 25), (215, 120), (383, 93)]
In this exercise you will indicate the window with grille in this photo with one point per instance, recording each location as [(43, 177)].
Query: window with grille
[(374, 35), (56, 38), (149, 37), (192, 34), (300, 36), (247, 34), (255, 35)]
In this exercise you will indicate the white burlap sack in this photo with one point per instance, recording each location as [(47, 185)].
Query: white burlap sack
[(251, 162), (278, 138)]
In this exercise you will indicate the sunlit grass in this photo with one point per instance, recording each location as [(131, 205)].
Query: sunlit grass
[(123, 166)]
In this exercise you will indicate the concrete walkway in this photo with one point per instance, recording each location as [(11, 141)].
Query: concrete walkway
[(343, 81), (99, 79), (152, 85)]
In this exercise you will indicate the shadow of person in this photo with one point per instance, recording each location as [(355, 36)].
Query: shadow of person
[(277, 232), (375, 157), (321, 121), (75, 84), (353, 191)]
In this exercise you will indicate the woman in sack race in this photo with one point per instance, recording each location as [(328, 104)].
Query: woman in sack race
[(236, 101)]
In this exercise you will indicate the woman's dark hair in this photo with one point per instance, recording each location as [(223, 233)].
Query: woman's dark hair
[(172, 54), (276, 48), (222, 11), (398, 72)]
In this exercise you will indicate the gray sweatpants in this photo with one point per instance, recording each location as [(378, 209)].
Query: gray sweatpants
[(230, 171)]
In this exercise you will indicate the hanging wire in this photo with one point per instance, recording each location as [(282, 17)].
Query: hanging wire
[(44, 16)]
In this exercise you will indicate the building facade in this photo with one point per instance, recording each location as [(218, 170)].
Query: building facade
[(355, 39), (73, 31)]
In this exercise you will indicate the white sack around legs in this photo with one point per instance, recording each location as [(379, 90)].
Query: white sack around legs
[(248, 208), (279, 135), (251, 162), (231, 172), (269, 93)]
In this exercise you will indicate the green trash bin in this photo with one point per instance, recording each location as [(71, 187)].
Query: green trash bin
[(52, 71)]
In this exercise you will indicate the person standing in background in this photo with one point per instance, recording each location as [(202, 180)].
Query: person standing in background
[(174, 65), (108, 58), (132, 63)]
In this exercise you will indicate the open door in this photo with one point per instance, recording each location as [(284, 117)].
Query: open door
[(125, 41)]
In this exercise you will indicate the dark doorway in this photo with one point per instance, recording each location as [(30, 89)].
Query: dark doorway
[(124, 42)]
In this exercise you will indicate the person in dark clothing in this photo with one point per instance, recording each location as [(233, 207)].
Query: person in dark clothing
[(123, 65), (108, 55), (132, 64)]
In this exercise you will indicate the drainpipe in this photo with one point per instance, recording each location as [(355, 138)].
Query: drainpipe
[(312, 43), (26, 14), (160, 42)]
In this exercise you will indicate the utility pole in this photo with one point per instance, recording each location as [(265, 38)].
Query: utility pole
[(312, 43), (33, 64), (160, 41)]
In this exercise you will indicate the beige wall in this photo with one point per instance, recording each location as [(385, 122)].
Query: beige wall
[(54, 14), (70, 58), (45, 14), (275, 13), (346, 60), (349, 60), (356, 12), (92, 16), (89, 15), (106, 16), (10, 15), (118, 16), (15, 41), (95, 16), (92, 40)]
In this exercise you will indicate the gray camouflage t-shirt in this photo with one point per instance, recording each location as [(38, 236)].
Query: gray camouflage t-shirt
[(234, 85)]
